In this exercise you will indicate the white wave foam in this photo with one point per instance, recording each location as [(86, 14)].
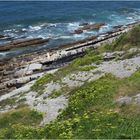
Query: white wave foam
[(41, 36), (52, 25), (34, 28), (65, 37), (129, 18), (23, 29), (9, 30), (72, 26), (3, 54), (79, 36), (105, 28)]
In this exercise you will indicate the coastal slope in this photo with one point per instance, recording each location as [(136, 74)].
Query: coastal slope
[(94, 96)]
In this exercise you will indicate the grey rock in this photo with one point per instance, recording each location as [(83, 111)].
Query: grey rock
[(34, 66), (137, 98), (125, 100)]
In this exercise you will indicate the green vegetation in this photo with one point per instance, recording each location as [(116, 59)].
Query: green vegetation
[(92, 113), (129, 55), (23, 116), (88, 68), (8, 101), (55, 94), (105, 48), (75, 65), (126, 41), (16, 119), (123, 43), (38, 85), (92, 110)]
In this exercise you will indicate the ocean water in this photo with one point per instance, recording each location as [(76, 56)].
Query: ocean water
[(58, 19)]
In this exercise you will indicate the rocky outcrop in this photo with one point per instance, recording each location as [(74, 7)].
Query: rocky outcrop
[(118, 26), (95, 26), (83, 24), (111, 55), (22, 43), (2, 36), (78, 31), (129, 100), (28, 70), (79, 42)]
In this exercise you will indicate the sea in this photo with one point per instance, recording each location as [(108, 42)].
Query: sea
[(57, 20)]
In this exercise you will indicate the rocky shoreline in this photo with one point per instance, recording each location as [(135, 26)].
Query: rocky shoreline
[(20, 70)]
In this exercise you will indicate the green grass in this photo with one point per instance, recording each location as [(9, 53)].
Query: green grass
[(9, 101), (17, 118), (87, 68), (126, 41), (38, 85), (93, 113), (55, 94), (23, 116), (129, 55)]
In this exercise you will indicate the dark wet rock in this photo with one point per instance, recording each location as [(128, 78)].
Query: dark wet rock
[(78, 31), (6, 37), (2, 36), (87, 26), (92, 26), (83, 24), (118, 26), (2, 86), (79, 42), (22, 30), (22, 43)]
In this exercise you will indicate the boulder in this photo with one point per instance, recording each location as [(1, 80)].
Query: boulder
[(34, 66), (19, 73), (28, 70), (108, 56)]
